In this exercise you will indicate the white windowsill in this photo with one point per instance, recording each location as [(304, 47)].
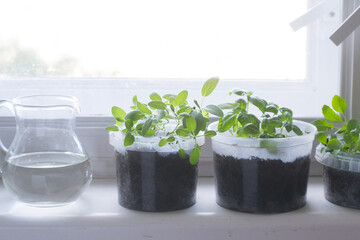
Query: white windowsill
[(97, 215)]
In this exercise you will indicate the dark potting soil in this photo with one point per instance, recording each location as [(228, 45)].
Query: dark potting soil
[(342, 187), (261, 186), (148, 181)]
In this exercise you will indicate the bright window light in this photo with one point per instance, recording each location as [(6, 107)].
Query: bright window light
[(152, 39)]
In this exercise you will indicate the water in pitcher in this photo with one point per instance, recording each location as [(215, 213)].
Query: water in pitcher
[(47, 178)]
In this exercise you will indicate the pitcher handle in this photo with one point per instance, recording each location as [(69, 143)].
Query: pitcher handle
[(3, 149)]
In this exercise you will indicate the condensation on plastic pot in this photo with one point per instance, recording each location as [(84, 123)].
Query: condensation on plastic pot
[(151, 144), (343, 161), (285, 149)]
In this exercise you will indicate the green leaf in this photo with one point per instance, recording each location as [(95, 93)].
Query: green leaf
[(168, 96), (210, 133), (157, 105), (288, 126), (183, 109), (265, 124), (129, 139), (129, 124), (239, 92), (243, 118), (118, 114), (330, 115), (284, 110), (182, 132), (254, 119), (347, 138), (143, 108), (228, 105), (146, 126), (150, 133), (339, 104), (252, 129), (134, 116), (334, 144), (191, 123), (112, 128), (275, 122), (241, 133), (352, 124), (272, 109), (323, 125), (342, 129), (170, 139), (172, 107), (181, 98), (213, 109), (162, 142), (155, 97), (355, 135), (297, 130), (118, 123), (242, 103), (195, 155), (321, 137), (209, 86), (200, 121), (259, 103), (134, 100), (184, 114), (182, 153), (172, 101), (226, 122), (160, 114)]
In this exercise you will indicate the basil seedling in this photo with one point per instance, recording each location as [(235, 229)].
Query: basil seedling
[(335, 132), (149, 119)]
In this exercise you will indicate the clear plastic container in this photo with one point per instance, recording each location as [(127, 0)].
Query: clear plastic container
[(45, 165), (152, 178), (262, 175), (341, 176)]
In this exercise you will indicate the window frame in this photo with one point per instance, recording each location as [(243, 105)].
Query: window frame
[(91, 129)]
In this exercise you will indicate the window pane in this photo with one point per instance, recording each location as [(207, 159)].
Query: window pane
[(152, 39)]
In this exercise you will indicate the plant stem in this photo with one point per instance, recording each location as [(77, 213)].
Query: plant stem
[(201, 104), (344, 118)]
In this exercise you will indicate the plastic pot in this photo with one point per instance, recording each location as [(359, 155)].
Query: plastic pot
[(152, 178), (341, 176), (262, 175)]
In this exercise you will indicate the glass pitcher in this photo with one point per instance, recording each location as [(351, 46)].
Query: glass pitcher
[(45, 165)]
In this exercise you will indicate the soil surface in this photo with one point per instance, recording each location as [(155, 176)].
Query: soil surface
[(342, 187), (261, 186), (148, 181)]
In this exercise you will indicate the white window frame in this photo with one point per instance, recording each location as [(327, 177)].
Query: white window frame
[(95, 139)]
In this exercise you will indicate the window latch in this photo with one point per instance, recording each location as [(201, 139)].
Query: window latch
[(312, 14), (347, 27)]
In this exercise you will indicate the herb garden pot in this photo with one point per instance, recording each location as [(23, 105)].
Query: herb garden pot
[(260, 175), (152, 178), (341, 176)]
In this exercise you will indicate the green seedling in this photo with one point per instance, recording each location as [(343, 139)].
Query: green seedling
[(237, 119), (150, 119), (335, 132)]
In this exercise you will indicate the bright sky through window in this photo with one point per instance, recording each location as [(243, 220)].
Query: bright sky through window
[(152, 39)]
